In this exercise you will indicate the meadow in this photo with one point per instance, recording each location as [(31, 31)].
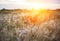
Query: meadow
[(29, 25)]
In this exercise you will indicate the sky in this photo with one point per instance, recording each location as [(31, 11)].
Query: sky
[(22, 4)]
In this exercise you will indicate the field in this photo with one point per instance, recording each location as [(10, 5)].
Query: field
[(29, 25)]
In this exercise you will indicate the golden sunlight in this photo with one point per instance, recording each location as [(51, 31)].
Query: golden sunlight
[(38, 6)]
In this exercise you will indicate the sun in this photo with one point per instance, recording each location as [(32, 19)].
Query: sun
[(37, 6)]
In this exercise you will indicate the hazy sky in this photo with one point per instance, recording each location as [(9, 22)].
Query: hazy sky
[(11, 4)]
